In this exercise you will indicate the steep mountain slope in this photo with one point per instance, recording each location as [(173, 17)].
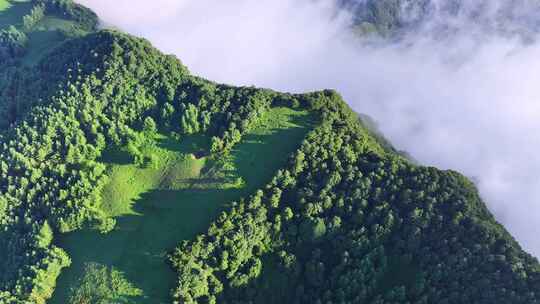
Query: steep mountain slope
[(344, 219), (48, 159), (33, 29)]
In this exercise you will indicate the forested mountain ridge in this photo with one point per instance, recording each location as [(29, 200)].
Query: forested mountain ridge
[(40, 19), (344, 221), (45, 25), (51, 153), (394, 18)]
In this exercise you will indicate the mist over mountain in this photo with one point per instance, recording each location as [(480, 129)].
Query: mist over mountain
[(442, 18), (466, 101), (126, 177)]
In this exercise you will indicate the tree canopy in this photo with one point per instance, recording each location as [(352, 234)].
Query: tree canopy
[(347, 220)]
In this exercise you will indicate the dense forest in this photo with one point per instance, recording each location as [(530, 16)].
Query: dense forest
[(347, 220), (14, 40), (19, 84)]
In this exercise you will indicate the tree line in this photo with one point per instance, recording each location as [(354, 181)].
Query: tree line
[(346, 221), (14, 41), (92, 93), (350, 221)]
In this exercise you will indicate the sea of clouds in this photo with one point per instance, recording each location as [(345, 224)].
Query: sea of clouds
[(467, 100)]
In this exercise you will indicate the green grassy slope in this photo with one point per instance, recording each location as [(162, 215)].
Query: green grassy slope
[(47, 34), (158, 207), (12, 12), (54, 28)]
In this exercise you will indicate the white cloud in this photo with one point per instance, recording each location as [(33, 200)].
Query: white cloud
[(469, 102)]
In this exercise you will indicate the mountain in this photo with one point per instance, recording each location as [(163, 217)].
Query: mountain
[(29, 30), (393, 18), (126, 179)]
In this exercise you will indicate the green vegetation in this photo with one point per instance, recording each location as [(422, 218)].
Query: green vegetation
[(49, 33), (74, 177), (13, 11), (157, 206), (115, 160), (102, 285), (348, 221), (394, 18), (46, 34), (29, 29), (85, 18), (13, 42)]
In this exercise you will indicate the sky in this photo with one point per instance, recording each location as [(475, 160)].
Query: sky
[(467, 102)]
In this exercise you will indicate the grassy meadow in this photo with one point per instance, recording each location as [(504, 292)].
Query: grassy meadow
[(12, 12), (174, 199), (45, 36)]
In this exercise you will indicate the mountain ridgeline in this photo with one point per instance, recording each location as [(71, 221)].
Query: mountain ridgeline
[(343, 219), (444, 18)]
